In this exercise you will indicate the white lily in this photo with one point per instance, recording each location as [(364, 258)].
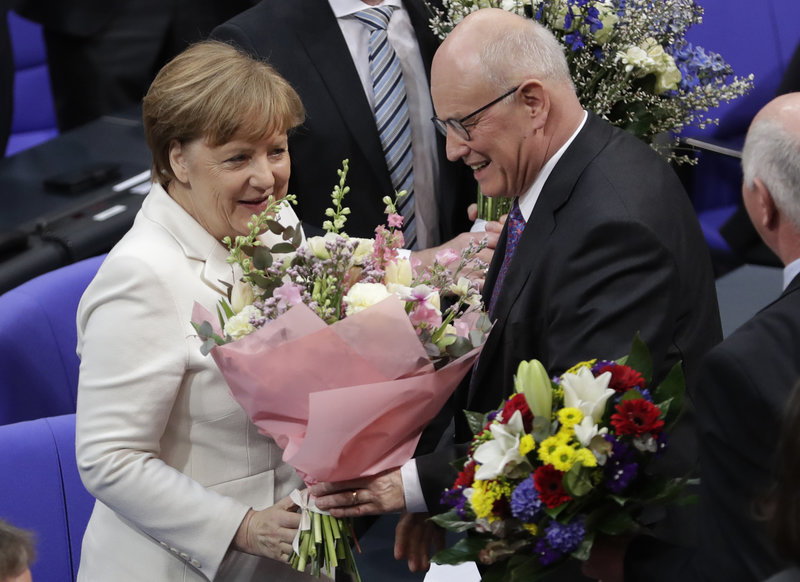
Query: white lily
[(587, 393), (587, 429), (501, 456)]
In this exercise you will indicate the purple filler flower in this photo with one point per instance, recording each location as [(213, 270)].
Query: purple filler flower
[(621, 467), (525, 503)]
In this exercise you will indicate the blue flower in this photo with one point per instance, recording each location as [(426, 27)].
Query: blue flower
[(525, 503), (566, 537)]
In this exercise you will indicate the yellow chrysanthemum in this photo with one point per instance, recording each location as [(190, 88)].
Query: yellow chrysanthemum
[(526, 444), (585, 457), (484, 496), (563, 458), (532, 528), (588, 364), (547, 447), (569, 417)]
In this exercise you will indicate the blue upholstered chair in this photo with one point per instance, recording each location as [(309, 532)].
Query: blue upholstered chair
[(41, 491), (38, 364), (34, 119)]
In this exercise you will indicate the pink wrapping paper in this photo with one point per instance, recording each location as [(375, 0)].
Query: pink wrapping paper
[(345, 400)]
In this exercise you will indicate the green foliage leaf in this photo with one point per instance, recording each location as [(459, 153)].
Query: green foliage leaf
[(459, 347), (297, 239), (289, 233), (274, 226), (475, 420), (465, 550), (262, 259), (452, 522), (671, 392), (639, 358), (577, 481), (616, 523), (283, 247), (249, 250)]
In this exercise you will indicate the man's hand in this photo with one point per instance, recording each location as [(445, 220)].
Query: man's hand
[(382, 493), (414, 539)]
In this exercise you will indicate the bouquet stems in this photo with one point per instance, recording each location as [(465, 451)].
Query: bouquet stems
[(326, 546), (493, 208)]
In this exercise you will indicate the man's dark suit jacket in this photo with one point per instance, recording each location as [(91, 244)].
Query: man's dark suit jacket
[(613, 247), (303, 41), (744, 385)]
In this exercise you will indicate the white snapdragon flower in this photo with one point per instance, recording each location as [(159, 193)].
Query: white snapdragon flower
[(587, 393)]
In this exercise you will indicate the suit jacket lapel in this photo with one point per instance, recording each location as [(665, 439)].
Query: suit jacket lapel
[(542, 222), (316, 27), (196, 242)]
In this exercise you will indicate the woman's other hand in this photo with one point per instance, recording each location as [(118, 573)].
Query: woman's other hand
[(269, 532)]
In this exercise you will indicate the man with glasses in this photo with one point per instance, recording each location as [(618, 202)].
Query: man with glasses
[(602, 242)]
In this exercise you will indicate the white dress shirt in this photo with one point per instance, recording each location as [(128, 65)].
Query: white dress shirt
[(423, 135)]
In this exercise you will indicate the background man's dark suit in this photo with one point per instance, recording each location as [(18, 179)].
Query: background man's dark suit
[(745, 383), (612, 247), (303, 41)]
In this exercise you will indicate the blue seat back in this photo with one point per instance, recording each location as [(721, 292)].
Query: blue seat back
[(34, 119), (38, 337), (41, 491)]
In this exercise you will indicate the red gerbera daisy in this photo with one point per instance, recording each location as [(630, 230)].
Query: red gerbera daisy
[(623, 378), (637, 417), (548, 482), (518, 402)]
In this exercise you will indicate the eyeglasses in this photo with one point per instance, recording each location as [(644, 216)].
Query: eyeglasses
[(457, 125)]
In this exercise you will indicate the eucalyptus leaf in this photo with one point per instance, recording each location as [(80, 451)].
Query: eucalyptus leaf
[(477, 337), (249, 250), (297, 239), (459, 347), (204, 330), (207, 346), (283, 247), (288, 234), (262, 259), (274, 226)]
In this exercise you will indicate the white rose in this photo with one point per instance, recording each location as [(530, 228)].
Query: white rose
[(399, 272), (363, 295), (242, 295), (317, 245), (363, 250), (239, 325)]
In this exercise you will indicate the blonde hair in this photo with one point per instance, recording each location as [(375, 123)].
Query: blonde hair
[(215, 92)]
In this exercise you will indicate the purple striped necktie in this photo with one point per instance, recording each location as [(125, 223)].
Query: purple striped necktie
[(516, 224)]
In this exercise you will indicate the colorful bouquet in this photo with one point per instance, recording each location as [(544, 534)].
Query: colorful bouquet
[(630, 61), (562, 461), (341, 350)]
